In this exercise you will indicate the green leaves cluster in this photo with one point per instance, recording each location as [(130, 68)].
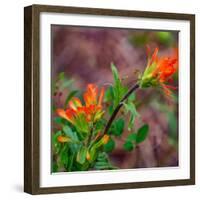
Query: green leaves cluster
[(115, 92), (65, 152), (114, 95), (103, 162), (131, 109), (118, 89), (72, 155), (135, 138)]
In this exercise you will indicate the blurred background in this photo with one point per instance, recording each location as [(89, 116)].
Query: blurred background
[(85, 55)]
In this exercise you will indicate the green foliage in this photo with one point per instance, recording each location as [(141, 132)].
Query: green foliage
[(82, 126), (95, 148), (109, 94), (142, 133), (128, 146), (56, 144), (54, 167), (135, 138), (109, 146), (64, 155), (68, 132), (103, 162), (130, 107), (132, 137), (81, 155), (60, 121), (118, 89), (117, 127), (71, 162), (99, 126)]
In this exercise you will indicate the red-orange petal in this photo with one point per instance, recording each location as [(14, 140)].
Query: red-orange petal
[(101, 97), (74, 103), (70, 115), (61, 113), (90, 96), (154, 56)]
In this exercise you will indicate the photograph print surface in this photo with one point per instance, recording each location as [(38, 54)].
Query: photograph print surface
[(114, 98)]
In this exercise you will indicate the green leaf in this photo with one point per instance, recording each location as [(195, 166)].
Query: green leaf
[(128, 146), (99, 126), (82, 126), (103, 162), (94, 149), (69, 97), (56, 145), (118, 89), (132, 137), (109, 146), (115, 74), (110, 109), (109, 94), (131, 97), (59, 120), (54, 138), (142, 133), (117, 127), (81, 167), (130, 107), (64, 155), (54, 167), (71, 134), (81, 155), (70, 161)]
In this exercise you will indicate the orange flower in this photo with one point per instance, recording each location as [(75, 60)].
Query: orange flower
[(80, 115), (91, 95), (159, 72), (68, 114)]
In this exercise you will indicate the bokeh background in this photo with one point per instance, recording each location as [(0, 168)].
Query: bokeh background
[(85, 55)]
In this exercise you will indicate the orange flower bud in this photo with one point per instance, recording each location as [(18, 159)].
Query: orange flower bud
[(105, 139), (63, 139), (88, 157)]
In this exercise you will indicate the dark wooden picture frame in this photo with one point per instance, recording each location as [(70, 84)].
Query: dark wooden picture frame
[(32, 96)]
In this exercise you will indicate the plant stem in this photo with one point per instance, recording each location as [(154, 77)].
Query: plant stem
[(131, 90)]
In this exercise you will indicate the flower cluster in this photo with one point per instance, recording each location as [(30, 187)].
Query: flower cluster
[(81, 116), (159, 72)]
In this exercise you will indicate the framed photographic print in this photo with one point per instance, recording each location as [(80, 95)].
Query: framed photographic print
[(109, 99)]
